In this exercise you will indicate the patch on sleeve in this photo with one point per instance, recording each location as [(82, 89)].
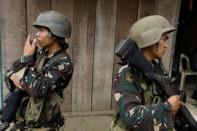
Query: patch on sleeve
[(129, 77), (61, 67)]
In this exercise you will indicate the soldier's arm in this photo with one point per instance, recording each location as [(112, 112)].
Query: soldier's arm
[(22, 62), (39, 85), (16, 66), (129, 103)]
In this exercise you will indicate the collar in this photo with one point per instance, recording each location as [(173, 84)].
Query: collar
[(54, 54)]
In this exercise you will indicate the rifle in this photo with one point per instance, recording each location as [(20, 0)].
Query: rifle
[(129, 52)]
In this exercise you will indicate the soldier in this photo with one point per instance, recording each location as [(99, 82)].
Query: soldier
[(38, 94), (140, 107)]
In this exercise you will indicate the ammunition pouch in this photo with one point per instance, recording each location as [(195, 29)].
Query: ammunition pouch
[(51, 108), (33, 110), (37, 112)]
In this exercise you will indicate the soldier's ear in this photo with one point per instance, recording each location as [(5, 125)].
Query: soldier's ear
[(49, 34)]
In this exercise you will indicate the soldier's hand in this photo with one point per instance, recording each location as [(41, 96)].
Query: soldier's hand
[(16, 81), (30, 47), (175, 103)]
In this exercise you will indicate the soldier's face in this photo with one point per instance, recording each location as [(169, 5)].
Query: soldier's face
[(43, 37), (161, 47)]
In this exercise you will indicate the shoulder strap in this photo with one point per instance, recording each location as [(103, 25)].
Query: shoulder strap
[(136, 80), (40, 64), (54, 59)]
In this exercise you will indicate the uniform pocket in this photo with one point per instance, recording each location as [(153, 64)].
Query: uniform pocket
[(33, 110)]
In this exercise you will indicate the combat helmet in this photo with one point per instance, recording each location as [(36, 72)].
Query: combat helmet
[(57, 23), (148, 30)]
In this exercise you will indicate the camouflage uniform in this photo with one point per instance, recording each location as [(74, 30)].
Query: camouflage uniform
[(39, 84), (139, 106), (43, 79)]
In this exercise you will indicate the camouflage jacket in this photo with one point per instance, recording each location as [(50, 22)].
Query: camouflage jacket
[(39, 82), (139, 103), (55, 74)]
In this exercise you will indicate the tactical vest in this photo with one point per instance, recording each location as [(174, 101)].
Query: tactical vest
[(41, 112)]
